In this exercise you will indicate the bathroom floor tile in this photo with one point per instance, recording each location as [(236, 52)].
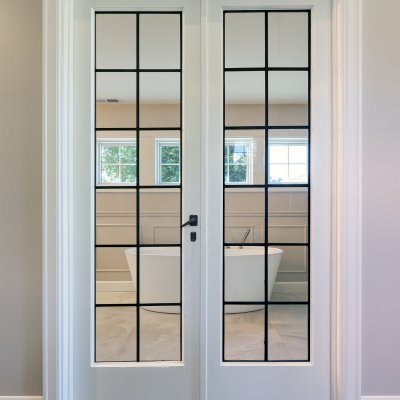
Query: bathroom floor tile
[(116, 333)]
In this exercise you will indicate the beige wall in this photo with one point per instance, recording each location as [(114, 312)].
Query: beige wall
[(381, 199), (20, 198)]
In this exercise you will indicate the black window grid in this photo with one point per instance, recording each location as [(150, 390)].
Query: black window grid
[(138, 187), (266, 69)]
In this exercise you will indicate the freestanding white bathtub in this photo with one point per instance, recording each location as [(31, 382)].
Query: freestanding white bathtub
[(244, 275)]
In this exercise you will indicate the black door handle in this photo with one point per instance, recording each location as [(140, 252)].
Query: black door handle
[(193, 221)]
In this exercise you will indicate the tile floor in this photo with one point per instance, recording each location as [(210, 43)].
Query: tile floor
[(159, 333)]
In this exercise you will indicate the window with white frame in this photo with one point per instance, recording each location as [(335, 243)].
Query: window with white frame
[(238, 163), (288, 160), (168, 162), (116, 161)]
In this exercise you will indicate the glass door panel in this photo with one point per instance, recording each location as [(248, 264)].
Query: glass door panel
[(138, 186)]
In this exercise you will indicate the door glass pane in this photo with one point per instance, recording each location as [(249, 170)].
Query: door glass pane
[(160, 280), (244, 333), (244, 40), (115, 333), (245, 98), (160, 216), (115, 264), (287, 215), (116, 41), (244, 159), (288, 39), (288, 98), (160, 41), (116, 217), (244, 216), (160, 100), (137, 194), (288, 332), (160, 159), (115, 100), (292, 280), (160, 333), (266, 186)]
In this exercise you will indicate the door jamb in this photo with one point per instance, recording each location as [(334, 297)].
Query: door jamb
[(57, 146)]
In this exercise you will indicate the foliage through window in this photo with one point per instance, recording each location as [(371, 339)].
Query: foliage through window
[(288, 160), (116, 161), (168, 165), (237, 161)]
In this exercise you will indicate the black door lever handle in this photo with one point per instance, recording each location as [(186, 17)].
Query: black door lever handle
[(193, 221)]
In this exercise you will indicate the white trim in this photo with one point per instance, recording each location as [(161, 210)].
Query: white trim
[(57, 199), (347, 125), (21, 398), (380, 398), (57, 117)]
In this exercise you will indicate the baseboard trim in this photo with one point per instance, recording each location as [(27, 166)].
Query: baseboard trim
[(380, 397), (291, 287), (21, 398)]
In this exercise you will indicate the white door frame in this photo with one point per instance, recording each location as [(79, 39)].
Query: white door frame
[(58, 206)]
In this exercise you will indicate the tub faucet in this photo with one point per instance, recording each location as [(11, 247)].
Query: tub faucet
[(245, 236)]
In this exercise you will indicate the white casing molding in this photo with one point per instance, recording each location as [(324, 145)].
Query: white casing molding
[(57, 202), (57, 199), (347, 125)]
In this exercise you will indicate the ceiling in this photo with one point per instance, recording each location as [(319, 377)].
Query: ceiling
[(244, 44)]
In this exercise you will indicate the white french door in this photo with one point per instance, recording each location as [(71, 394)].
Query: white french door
[(218, 109), (274, 90)]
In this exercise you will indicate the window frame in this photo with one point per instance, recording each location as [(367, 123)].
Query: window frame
[(249, 142), (110, 142), (288, 141), (159, 143)]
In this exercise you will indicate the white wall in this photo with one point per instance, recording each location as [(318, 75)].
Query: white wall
[(381, 198), (20, 198)]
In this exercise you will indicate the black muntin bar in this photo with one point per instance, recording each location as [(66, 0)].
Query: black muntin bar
[(223, 189), (262, 127), (138, 187), (137, 70), (138, 190), (138, 12), (168, 128), (94, 194), (280, 10), (260, 69), (309, 182), (139, 305), (266, 182), (141, 245), (181, 180)]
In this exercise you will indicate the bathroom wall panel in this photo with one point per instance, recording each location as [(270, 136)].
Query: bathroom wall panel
[(287, 214), (283, 212)]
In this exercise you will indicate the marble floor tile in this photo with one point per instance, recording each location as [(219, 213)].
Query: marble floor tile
[(116, 334), (160, 334)]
